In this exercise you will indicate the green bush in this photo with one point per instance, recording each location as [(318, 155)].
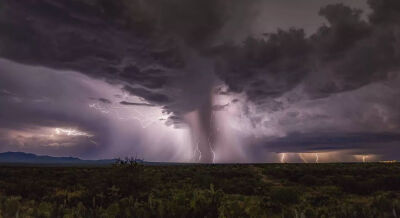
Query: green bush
[(309, 180), (285, 195), (132, 190)]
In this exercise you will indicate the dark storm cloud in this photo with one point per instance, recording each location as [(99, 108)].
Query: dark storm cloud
[(41, 98), (145, 44), (267, 68), (219, 107), (102, 100), (343, 55), (363, 121), (105, 101), (151, 78), (136, 104), (166, 52), (312, 142), (148, 95)]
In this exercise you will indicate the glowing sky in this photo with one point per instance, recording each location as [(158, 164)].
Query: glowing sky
[(248, 81)]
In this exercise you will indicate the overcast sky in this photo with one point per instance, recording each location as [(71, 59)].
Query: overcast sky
[(201, 81)]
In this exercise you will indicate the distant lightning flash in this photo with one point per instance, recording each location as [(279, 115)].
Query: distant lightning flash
[(70, 132), (213, 154), (210, 144), (283, 157), (94, 142), (364, 158), (210, 138), (302, 158), (316, 158), (143, 120), (197, 151)]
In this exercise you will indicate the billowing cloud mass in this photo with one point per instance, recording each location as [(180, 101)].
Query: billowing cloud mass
[(210, 80)]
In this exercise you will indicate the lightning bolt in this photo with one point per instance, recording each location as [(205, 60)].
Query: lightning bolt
[(364, 158), (213, 155), (283, 157), (302, 158), (138, 116), (316, 157), (70, 132), (197, 151), (210, 138)]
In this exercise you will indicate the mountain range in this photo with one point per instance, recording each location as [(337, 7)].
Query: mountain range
[(28, 158)]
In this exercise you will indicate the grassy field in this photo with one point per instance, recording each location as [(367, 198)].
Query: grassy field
[(129, 189)]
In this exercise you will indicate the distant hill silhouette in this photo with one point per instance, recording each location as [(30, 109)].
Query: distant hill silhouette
[(28, 158), (22, 158)]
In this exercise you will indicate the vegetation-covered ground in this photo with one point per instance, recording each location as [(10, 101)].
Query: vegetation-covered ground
[(129, 189)]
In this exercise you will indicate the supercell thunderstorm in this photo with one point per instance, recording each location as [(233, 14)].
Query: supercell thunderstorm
[(174, 81)]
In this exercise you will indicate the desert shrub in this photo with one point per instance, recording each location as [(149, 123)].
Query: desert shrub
[(241, 206), (131, 190), (309, 180), (285, 195), (45, 210), (347, 183), (11, 206)]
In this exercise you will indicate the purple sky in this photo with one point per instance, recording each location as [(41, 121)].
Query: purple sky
[(190, 81)]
